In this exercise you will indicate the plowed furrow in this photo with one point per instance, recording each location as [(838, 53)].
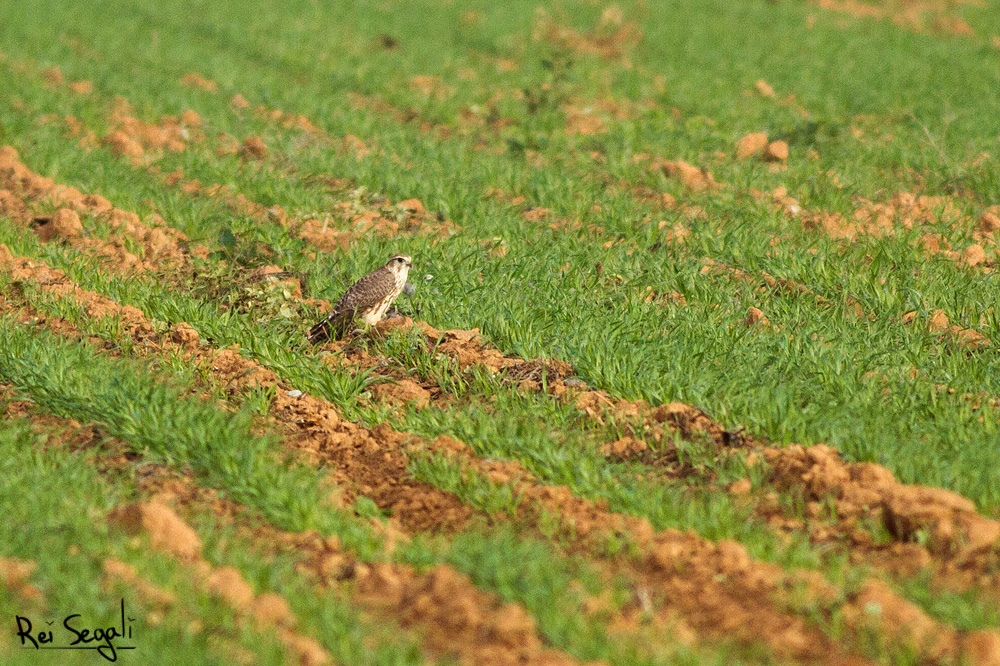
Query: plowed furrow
[(267, 613), (28, 199), (369, 462), (353, 448), (929, 528), (28, 189), (143, 143), (451, 615), (669, 558), (919, 17)]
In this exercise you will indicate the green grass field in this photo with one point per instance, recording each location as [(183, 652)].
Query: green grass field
[(586, 185)]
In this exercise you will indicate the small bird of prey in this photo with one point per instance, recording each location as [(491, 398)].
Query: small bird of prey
[(368, 298)]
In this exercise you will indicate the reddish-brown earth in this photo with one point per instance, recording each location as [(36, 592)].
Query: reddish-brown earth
[(452, 617), (169, 534), (14, 575), (373, 461), (916, 15), (671, 565), (53, 211)]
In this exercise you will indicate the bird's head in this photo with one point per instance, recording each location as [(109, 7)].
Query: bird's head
[(400, 263)]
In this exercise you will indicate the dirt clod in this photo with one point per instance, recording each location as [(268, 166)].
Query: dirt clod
[(184, 335), (253, 147), (63, 224), (228, 584), (764, 89), (751, 145), (948, 521), (692, 177), (982, 648), (400, 392), (777, 151), (270, 609), (167, 532), (755, 317)]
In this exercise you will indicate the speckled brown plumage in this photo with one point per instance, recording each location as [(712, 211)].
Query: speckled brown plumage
[(367, 299)]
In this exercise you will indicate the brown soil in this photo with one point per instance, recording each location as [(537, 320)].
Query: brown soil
[(195, 80), (751, 145), (351, 143), (957, 541), (776, 151), (350, 220), (705, 181), (14, 575), (315, 422), (81, 87), (554, 377), (938, 216), (764, 89), (405, 116), (938, 323), (283, 118), (430, 86), (55, 282), (693, 178), (141, 141), (790, 637), (467, 348), (253, 148), (756, 317), (170, 534), (906, 624), (367, 462), (403, 391), (612, 38), (26, 197), (373, 462), (917, 15), (453, 618), (583, 121), (116, 571)]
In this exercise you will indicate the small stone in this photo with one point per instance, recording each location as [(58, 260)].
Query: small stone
[(294, 393)]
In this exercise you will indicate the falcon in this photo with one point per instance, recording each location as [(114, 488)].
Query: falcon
[(368, 299)]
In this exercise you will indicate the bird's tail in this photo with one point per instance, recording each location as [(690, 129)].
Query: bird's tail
[(331, 327)]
